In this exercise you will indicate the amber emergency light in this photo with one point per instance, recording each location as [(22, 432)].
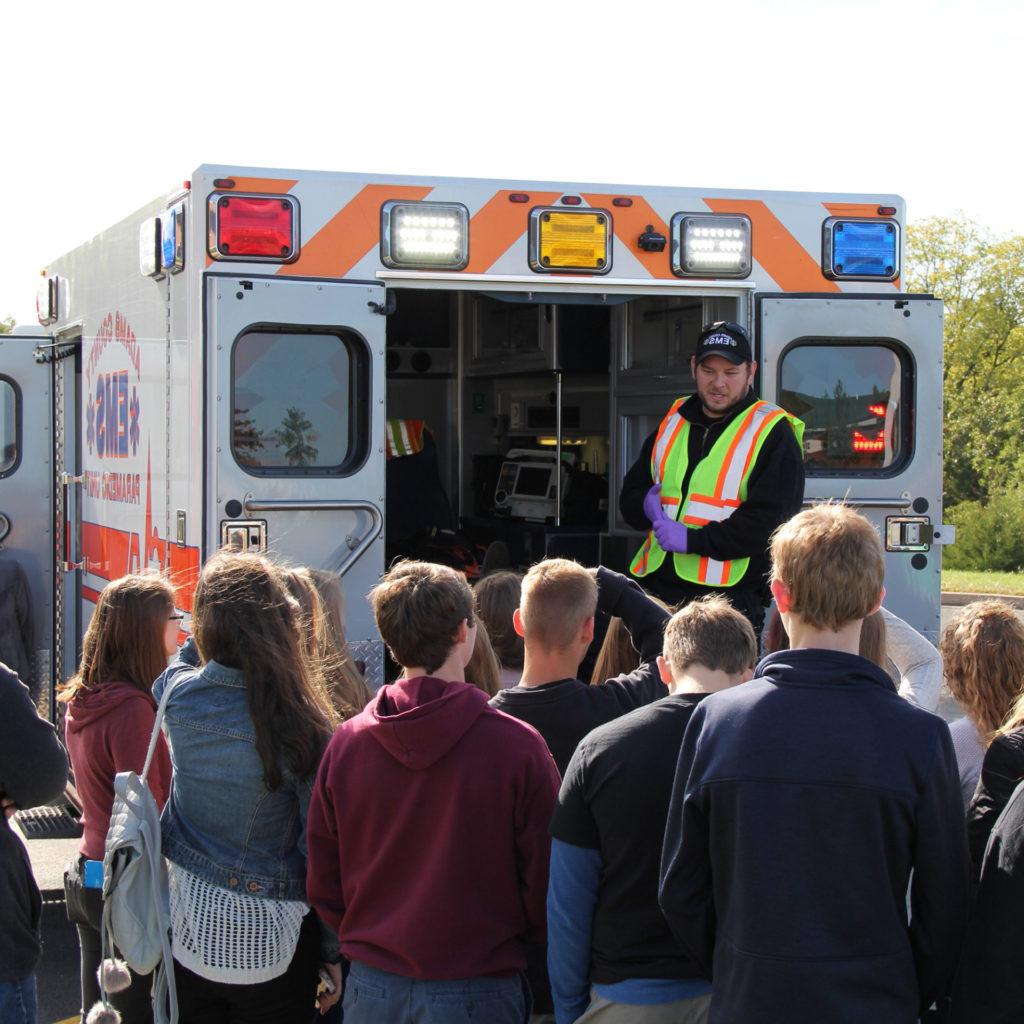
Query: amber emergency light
[(562, 241)]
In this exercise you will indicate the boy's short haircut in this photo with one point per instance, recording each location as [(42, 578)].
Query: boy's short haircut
[(710, 632), (418, 607), (830, 558), (558, 596)]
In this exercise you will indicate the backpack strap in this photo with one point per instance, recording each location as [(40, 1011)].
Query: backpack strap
[(157, 722)]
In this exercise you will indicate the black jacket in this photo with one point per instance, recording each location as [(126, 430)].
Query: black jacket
[(803, 800), (1001, 771), (564, 712), (16, 643), (33, 771), (775, 492), (989, 987)]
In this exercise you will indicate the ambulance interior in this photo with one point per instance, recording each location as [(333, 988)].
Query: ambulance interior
[(502, 385)]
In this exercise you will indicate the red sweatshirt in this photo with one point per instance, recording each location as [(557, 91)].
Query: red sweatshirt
[(107, 731), (428, 833)]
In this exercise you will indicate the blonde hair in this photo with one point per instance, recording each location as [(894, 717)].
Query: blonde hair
[(482, 669), (558, 596), (125, 639), (983, 654), (710, 632), (497, 597), (345, 683), (830, 559)]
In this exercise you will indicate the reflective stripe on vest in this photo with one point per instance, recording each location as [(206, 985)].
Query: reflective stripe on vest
[(404, 437), (744, 438)]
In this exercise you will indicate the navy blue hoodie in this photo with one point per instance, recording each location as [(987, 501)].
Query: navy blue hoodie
[(803, 800)]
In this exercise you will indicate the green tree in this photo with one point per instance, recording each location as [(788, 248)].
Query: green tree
[(981, 282), (6, 324), (246, 439), (294, 437)]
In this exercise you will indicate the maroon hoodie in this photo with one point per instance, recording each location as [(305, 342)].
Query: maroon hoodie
[(107, 731), (428, 833)]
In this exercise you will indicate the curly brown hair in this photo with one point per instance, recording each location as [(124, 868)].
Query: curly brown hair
[(983, 653)]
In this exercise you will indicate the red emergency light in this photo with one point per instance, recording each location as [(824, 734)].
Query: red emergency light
[(877, 410), (868, 444), (245, 227)]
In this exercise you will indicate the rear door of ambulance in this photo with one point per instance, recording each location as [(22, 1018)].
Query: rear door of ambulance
[(864, 373), (295, 430)]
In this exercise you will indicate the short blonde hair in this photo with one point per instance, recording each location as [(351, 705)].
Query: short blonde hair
[(558, 596), (983, 655), (830, 559), (710, 632)]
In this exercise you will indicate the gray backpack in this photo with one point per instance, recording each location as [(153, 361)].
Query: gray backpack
[(136, 913)]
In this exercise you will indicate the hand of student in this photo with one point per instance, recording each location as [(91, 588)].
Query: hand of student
[(9, 806), (672, 536), (652, 504), (324, 999)]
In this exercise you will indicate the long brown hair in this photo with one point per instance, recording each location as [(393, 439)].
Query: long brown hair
[(617, 655), (496, 597), (244, 618), (345, 683), (983, 655), (125, 639), (483, 670)]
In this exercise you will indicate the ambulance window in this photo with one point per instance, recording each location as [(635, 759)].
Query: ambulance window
[(854, 401), (9, 417), (295, 398)]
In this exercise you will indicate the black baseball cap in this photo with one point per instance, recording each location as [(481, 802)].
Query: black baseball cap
[(726, 339)]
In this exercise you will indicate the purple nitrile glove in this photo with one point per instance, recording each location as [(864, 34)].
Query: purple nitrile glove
[(652, 504), (670, 534)]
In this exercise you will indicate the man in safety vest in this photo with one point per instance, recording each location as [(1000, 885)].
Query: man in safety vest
[(712, 484)]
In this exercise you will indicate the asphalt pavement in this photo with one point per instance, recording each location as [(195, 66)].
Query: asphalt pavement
[(58, 972)]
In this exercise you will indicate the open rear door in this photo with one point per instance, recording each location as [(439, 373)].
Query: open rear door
[(295, 430), (864, 372), (28, 543)]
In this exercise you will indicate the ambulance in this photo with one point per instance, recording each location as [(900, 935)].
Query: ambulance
[(340, 368)]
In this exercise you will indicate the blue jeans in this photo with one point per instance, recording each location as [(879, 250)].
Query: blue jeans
[(18, 1001), (378, 997)]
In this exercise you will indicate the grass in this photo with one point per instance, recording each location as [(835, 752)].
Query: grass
[(977, 582)]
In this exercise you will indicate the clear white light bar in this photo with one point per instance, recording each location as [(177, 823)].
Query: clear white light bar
[(425, 236), (710, 245)]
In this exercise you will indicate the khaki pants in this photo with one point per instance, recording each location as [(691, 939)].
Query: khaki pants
[(681, 1011)]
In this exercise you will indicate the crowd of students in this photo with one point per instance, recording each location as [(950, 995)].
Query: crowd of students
[(695, 835)]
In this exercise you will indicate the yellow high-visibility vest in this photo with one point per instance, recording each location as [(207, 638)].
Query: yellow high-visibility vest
[(717, 488)]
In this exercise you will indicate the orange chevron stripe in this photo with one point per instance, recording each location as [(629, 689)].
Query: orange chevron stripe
[(630, 223), (852, 209), (498, 224), (350, 234), (791, 266)]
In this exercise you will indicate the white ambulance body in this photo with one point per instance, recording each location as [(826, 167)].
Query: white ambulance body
[(224, 365)]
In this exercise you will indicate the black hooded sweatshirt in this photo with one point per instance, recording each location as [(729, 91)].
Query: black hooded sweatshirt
[(802, 802), (33, 771)]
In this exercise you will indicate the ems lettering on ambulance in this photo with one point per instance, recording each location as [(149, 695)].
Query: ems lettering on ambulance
[(122, 500)]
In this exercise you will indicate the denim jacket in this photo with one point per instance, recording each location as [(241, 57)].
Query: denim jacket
[(220, 821)]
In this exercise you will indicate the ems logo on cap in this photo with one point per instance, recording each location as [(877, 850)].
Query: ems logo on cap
[(720, 340)]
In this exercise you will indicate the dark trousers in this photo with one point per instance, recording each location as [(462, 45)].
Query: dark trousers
[(281, 1000), (85, 912), (678, 593)]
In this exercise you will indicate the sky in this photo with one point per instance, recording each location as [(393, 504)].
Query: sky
[(107, 105)]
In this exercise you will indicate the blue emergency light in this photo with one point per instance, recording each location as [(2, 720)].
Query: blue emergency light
[(860, 249)]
